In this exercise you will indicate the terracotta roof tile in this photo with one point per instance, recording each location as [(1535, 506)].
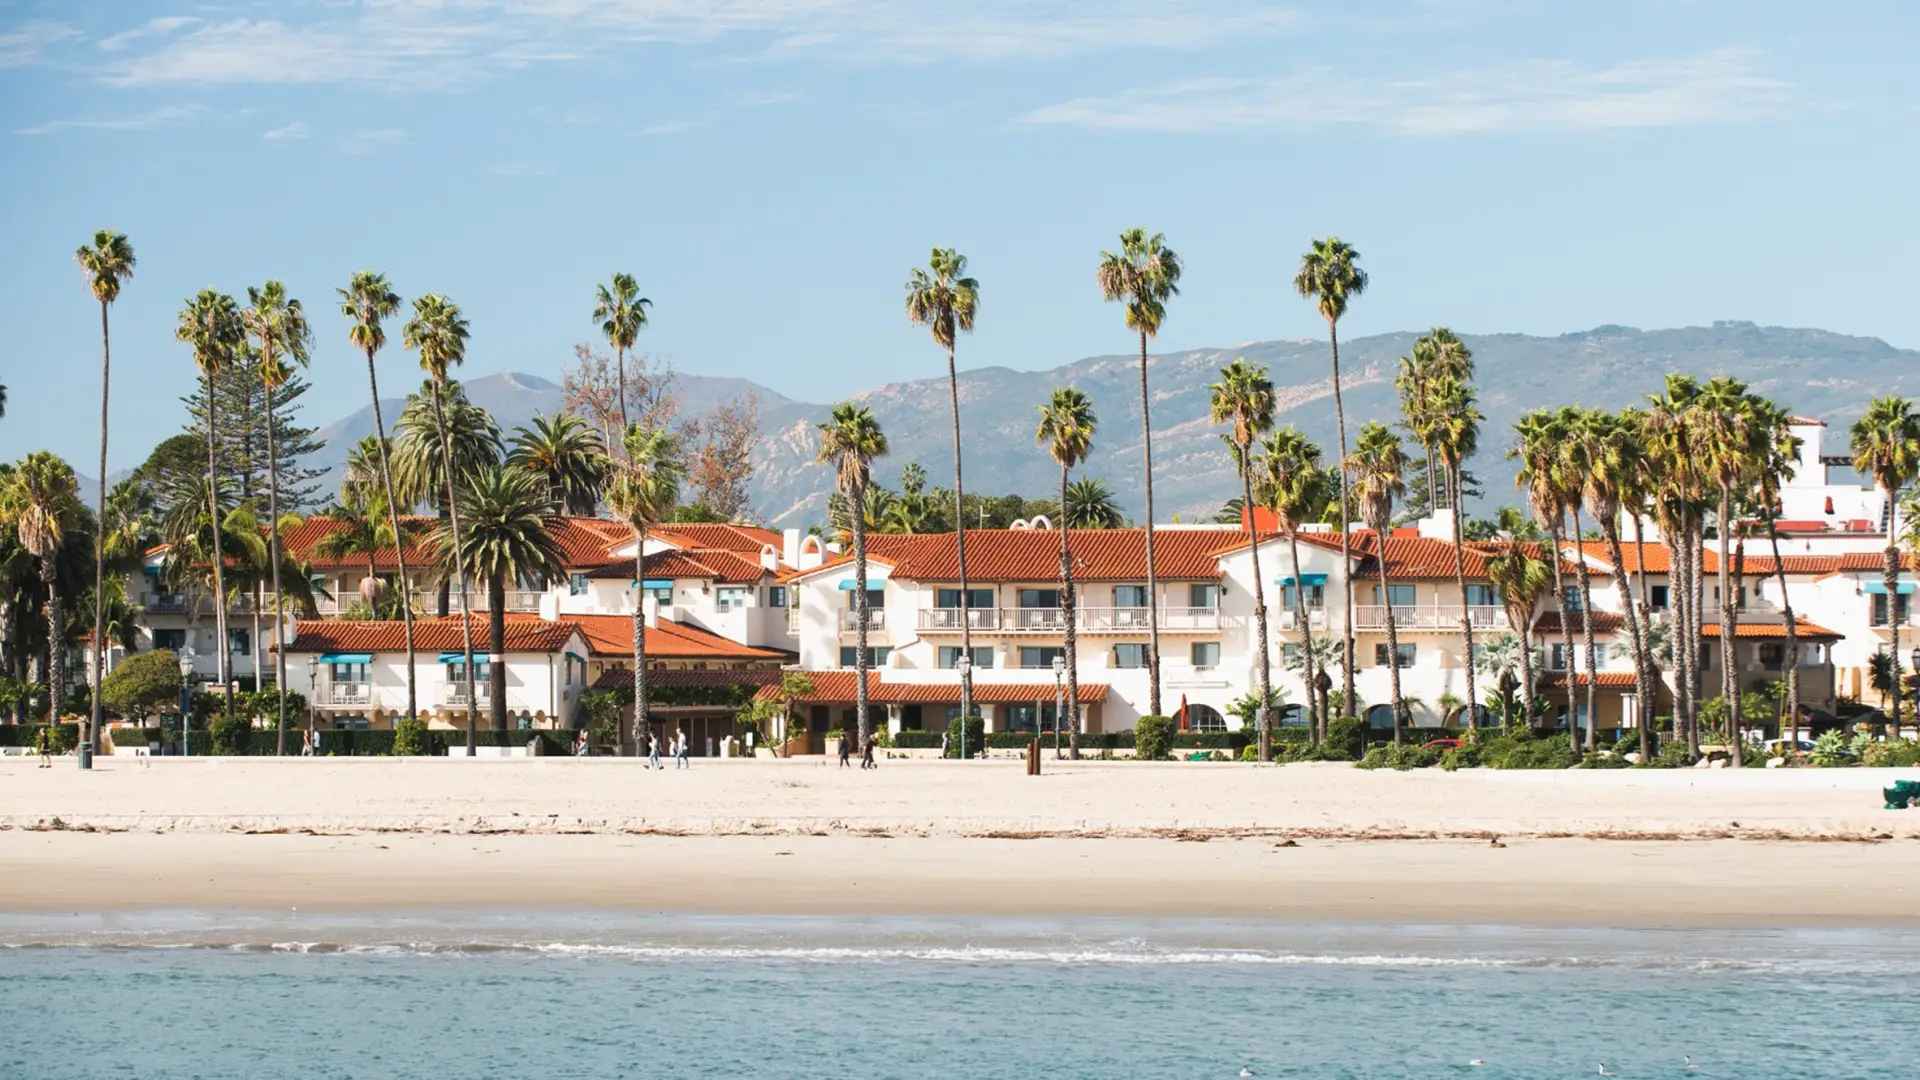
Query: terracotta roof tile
[(1771, 631), (587, 541), (1007, 555), (715, 563), (523, 634), (612, 635), (622, 678), (1604, 622), (745, 539), (1619, 680), (301, 541)]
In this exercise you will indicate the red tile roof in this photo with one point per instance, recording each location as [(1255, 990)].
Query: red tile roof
[(622, 678), (612, 635), (301, 541), (1875, 561), (840, 686), (523, 634), (1772, 631), (712, 563), (1753, 564), (1619, 680), (1604, 622), (587, 541), (1010, 555), (745, 539)]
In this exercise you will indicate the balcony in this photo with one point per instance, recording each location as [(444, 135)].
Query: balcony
[(1048, 620), (949, 619), (1290, 620), (456, 693), (346, 694), (1428, 617), (850, 620), (516, 600)]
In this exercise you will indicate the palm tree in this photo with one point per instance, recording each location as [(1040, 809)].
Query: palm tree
[(1780, 450), (622, 313), (1542, 435), (40, 503), (1730, 455), (644, 490), (1521, 580), (1676, 493), (1614, 462), (108, 263), (1292, 478), (1506, 658), (1144, 275), (849, 441), (1243, 400), (1454, 434), (1886, 446), (439, 333), (1066, 428), (360, 531), (210, 324), (944, 299), (568, 456), (1330, 276), (1377, 464), (366, 301), (1090, 505), (278, 327), (1577, 451), (506, 539), (1312, 659)]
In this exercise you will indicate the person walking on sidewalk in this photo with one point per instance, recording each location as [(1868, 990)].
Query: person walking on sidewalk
[(845, 750), (680, 751), (866, 754)]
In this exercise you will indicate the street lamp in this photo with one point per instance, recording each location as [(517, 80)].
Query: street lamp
[(186, 699), (313, 697), (965, 666), (1059, 701)]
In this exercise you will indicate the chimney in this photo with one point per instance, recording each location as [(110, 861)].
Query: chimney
[(790, 546), (1437, 525), (651, 608)]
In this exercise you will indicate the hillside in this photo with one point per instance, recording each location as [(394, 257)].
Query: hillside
[(1816, 373)]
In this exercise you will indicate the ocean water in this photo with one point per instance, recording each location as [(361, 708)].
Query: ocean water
[(466, 996)]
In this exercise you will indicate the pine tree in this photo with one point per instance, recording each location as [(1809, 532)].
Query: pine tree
[(241, 441)]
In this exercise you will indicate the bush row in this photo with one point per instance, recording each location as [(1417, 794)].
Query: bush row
[(65, 736)]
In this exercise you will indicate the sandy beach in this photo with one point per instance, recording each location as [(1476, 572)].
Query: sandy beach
[(798, 837)]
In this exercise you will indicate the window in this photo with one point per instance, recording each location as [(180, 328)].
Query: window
[(1040, 656), (1129, 596), (1380, 656), (577, 585), (1316, 597), (661, 594), (170, 640), (1024, 717), (242, 642), (1740, 597), (347, 673), (876, 599), (1205, 596), (1206, 654), (731, 598), (1773, 655), (1205, 718), (1658, 597), (1482, 596), (776, 596), (1290, 656), (876, 656), (457, 672), (1397, 595), (975, 599), (1599, 655), (1899, 608), (1130, 656), (950, 656), (1039, 598)]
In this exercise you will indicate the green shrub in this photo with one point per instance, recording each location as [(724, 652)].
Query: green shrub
[(1346, 738), (1672, 754), (410, 738), (976, 736), (65, 736), (232, 734), (141, 685), (1897, 753), (917, 740), (1250, 752), (1527, 752), (1604, 760), (1831, 751), (1460, 757), (137, 737), (1402, 758), (1152, 737)]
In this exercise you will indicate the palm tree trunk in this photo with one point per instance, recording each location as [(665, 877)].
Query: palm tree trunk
[(856, 504), (460, 577), (1526, 673), (1073, 640), (1731, 642), (1259, 605), (399, 539), (1559, 532), (443, 591), (1393, 635), (1316, 719), (1793, 643), (496, 656), (1153, 577), (1729, 674), (640, 636), (620, 361), (1697, 575), (1890, 576), (91, 727), (1585, 580), (222, 653), (960, 555), (1346, 542), (279, 598), (56, 635), (1460, 579), (1642, 680)]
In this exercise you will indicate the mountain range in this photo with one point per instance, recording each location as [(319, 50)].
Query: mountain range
[(1814, 372)]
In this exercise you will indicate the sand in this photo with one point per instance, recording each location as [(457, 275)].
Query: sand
[(1116, 839)]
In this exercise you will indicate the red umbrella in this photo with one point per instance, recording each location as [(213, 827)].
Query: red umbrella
[(1183, 712)]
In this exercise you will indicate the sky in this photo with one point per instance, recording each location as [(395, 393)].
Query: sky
[(770, 170)]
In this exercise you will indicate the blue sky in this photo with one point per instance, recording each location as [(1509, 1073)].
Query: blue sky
[(771, 169)]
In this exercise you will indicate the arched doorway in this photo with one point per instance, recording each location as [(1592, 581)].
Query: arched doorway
[(1205, 718), (1293, 716), (1380, 716)]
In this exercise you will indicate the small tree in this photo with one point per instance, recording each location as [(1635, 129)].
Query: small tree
[(1152, 737), (143, 684)]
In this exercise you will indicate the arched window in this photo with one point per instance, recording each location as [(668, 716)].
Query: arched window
[(1293, 716), (1205, 718), (1380, 716)]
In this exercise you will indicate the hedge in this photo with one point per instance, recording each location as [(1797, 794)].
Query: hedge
[(65, 736), (918, 740)]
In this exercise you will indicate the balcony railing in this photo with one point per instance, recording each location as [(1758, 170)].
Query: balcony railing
[(1290, 620), (876, 619), (456, 694), (516, 600), (1427, 617), (1093, 620), (346, 693), (1035, 618), (951, 618)]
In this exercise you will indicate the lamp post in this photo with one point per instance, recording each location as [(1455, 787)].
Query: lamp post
[(313, 697), (90, 730), (186, 699), (1059, 701), (965, 665)]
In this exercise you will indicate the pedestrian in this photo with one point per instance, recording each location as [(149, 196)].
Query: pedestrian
[(46, 748), (306, 743), (866, 755), (680, 751), (845, 751), (653, 750), (580, 744)]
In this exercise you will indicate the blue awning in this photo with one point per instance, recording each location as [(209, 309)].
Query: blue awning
[(346, 658), (849, 585), (1310, 579), (1879, 588), (656, 583), (479, 659)]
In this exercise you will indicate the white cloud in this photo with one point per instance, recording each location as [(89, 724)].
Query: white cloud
[(139, 122), (160, 27), (296, 130), (28, 43), (1534, 95)]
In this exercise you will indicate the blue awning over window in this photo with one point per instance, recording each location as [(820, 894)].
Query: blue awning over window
[(479, 659), (656, 583), (346, 658), (1879, 588), (849, 584), (1310, 579)]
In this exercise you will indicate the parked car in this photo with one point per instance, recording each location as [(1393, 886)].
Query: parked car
[(1799, 745), (1441, 744)]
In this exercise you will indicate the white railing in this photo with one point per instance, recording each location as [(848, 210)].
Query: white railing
[(1316, 619), (346, 693), (516, 600), (876, 619), (1046, 618), (1190, 618), (1115, 618), (456, 694), (951, 618), (1427, 617)]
